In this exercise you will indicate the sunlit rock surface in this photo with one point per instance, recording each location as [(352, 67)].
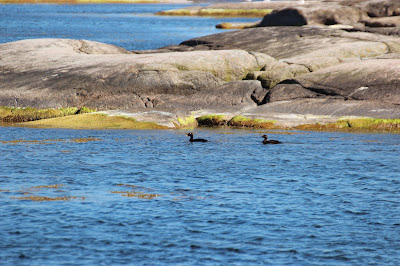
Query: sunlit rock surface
[(286, 74)]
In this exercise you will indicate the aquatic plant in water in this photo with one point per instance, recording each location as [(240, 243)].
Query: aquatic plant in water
[(141, 195), (49, 141), (136, 193), (43, 198), (40, 188)]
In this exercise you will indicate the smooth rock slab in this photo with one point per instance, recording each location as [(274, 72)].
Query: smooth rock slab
[(310, 111), (58, 72), (295, 42), (373, 80)]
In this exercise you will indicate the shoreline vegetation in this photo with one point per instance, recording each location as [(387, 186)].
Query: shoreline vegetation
[(328, 79), (85, 118), (189, 11), (216, 12)]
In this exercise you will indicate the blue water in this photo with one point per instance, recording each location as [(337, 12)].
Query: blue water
[(131, 26), (316, 199), (153, 198)]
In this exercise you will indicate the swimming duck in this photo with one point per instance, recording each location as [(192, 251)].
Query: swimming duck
[(266, 141), (195, 140)]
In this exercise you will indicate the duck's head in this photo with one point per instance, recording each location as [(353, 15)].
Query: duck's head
[(190, 134), (264, 136)]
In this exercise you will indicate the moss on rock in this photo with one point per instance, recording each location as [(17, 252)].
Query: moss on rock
[(212, 120), (232, 25), (93, 121), (356, 125), (11, 114), (241, 121), (187, 122), (216, 12)]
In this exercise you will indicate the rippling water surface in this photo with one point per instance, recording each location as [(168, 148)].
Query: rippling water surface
[(152, 197), (132, 26)]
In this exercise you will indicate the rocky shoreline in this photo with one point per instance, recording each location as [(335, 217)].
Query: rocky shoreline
[(286, 76)]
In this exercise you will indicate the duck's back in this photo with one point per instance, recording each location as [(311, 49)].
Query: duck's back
[(272, 141), (200, 140)]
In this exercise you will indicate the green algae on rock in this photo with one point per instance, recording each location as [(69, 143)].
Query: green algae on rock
[(212, 120), (233, 25), (93, 121), (187, 122), (356, 125), (25, 114), (241, 121)]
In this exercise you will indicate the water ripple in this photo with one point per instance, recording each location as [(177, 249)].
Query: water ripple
[(160, 200)]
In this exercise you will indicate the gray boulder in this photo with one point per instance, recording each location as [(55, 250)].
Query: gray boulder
[(291, 42), (281, 72), (384, 22), (310, 111), (232, 96), (378, 8), (372, 80), (318, 65), (312, 48), (57, 73), (318, 14)]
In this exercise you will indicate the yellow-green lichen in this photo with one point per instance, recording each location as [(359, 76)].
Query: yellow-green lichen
[(94, 121), (187, 122), (356, 124), (212, 120), (25, 114), (239, 26), (224, 12), (241, 121), (217, 12)]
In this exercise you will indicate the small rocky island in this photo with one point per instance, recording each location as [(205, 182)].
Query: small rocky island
[(312, 63)]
